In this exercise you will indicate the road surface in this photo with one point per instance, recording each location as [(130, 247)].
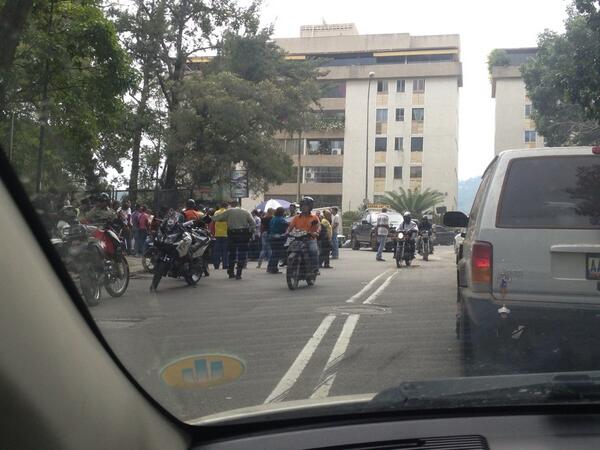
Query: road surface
[(365, 326)]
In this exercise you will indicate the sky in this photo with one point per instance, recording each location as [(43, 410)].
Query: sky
[(482, 26)]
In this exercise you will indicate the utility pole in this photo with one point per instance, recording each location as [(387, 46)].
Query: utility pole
[(371, 75)]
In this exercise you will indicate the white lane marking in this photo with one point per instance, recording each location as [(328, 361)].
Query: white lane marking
[(336, 356), (380, 289), (289, 379), (367, 287)]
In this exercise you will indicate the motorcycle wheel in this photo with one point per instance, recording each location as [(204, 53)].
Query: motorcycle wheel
[(157, 276), (426, 251), (292, 274), (194, 274), (355, 244), (148, 260), (118, 286), (91, 289), (310, 279)]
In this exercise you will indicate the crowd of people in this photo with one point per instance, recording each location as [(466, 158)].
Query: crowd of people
[(237, 233)]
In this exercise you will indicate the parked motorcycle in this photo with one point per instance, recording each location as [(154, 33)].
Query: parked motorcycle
[(425, 244), (82, 256), (298, 260), (180, 252), (116, 267), (404, 249), (151, 254)]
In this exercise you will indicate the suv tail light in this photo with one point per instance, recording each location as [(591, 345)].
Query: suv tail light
[(481, 265)]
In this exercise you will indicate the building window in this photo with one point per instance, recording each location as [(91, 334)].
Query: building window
[(399, 114), (418, 114), (324, 147), (416, 144), (400, 85), (380, 144), (528, 110), (322, 174), (381, 115), (397, 172), (334, 89), (380, 172), (419, 85), (382, 86), (290, 146), (399, 143), (416, 172), (530, 135)]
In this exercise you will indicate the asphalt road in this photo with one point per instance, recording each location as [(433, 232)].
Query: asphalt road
[(364, 327)]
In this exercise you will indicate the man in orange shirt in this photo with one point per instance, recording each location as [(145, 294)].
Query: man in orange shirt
[(306, 221), (190, 212)]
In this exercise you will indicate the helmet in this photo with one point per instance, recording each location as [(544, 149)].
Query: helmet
[(407, 216), (190, 203), (308, 201), (103, 197)]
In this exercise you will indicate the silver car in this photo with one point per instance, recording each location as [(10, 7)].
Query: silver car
[(530, 260)]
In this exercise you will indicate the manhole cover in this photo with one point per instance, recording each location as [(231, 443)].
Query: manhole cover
[(119, 323), (355, 309)]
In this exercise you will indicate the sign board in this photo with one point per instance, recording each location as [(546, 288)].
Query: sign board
[(239, 183)]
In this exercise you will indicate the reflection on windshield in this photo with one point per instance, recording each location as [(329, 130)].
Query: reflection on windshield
[(257, 216)]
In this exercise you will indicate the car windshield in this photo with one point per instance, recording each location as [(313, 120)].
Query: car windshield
[(212, 175)]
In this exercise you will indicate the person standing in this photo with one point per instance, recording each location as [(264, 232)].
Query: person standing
[(325, 241), (220, 248), (383, 228), (336, 228), (277, 227), (240, 228), (124, 214), (135, 228), (265, 251), (144, 225)]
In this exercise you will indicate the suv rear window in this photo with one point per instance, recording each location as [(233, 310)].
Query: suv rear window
[(551, 192)]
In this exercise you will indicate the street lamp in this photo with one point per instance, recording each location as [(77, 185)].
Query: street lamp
[(371, 75)]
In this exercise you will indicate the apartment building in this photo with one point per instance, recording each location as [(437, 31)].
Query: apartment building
[(405, 88), (514, 127)]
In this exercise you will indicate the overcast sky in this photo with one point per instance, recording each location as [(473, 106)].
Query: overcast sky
[(482, 25)]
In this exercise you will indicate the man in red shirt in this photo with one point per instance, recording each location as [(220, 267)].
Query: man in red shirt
[(306, 221), (143, 224)]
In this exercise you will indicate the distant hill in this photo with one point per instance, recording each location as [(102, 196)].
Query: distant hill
[(466, 193)]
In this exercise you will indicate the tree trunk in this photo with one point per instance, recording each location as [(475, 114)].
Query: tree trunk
[(13, 18), (137, 136)]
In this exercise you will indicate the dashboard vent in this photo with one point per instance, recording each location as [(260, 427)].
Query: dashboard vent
[(466, 442)]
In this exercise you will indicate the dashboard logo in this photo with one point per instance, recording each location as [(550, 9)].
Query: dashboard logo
[(202, 371)]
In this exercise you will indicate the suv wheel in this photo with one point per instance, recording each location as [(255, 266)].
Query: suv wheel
[(355, 243)]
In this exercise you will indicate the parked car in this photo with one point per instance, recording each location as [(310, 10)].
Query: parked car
[(442, 235), (364, 232), (530, 263)]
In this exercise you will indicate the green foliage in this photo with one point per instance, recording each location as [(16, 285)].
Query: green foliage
[(415, 201), (231, 112), (497, 57), (562, 80), (69, 70)]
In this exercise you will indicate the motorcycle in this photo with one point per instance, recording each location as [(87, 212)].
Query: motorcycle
[(425, 244), (151, 254), (404, 250), (116, 267), (82, 256), (298, 259), (180, 252)]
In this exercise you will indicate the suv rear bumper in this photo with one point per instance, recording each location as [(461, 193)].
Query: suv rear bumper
[(483, 311)]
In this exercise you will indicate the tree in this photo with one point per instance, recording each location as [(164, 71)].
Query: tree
[(67, 81), (415, 201), (562, 79), (497, 57), (231, 111), (189, 27)]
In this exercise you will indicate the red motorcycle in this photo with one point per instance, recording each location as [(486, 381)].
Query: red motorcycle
[(116, 268)]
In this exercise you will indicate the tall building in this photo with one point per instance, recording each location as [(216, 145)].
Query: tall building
[(514, 127), (405, 87)]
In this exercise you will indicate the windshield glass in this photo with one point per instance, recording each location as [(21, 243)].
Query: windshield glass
[(214, 177)]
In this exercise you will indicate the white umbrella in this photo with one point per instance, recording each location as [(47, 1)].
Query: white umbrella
[(273, 203)]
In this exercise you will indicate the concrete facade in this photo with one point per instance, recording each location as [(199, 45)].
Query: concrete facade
[(433, 61), (514, 128)]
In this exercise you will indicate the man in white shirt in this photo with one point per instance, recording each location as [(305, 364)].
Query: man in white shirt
[(383, 228), (336, 225)]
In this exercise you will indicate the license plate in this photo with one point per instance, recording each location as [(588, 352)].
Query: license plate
[(592, 267)]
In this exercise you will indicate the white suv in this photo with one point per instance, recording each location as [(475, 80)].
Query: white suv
[(530, 260)]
